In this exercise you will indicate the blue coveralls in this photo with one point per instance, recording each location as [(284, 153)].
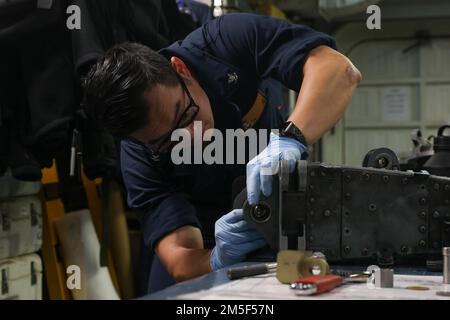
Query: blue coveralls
[(229, 56)]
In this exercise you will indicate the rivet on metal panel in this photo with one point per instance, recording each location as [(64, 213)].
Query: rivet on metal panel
[(422, 243), (423, 214), (423, 201), (327, 213), (422, 229), (436, 214), (372, 207), (348, 178), (404, 249), (405, 181), (365, 251), (347, 249), (386, 178)]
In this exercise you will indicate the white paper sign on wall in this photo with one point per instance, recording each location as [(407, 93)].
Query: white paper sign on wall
[(397, 103)]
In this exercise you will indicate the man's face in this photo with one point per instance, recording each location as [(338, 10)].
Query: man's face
[(171, 108)]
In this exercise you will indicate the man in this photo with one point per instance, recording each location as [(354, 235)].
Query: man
[(212, 76)]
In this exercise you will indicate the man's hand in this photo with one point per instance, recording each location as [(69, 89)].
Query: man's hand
[(328, 82), (234, 239), (261, 168)]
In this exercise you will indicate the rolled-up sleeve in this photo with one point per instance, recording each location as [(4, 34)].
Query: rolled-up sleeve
[(159, 207), (270, 47)]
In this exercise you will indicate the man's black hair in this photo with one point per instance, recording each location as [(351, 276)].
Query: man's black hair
[(114, 87)]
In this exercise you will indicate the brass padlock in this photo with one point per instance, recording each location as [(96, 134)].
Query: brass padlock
[(293, 265)]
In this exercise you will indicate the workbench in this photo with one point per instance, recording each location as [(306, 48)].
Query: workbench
[(216, 286)]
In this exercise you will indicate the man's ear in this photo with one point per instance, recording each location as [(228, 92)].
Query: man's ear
[(180, 67)]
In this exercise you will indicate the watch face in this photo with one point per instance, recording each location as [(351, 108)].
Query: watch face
[(291, 128), (292, 131), (288, 126)]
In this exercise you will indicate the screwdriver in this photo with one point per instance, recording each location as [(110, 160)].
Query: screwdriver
[(251, 270)]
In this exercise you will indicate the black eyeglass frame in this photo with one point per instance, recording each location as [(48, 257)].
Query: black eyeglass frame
[(179, 125)]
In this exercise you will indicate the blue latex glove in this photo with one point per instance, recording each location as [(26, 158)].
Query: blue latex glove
[(261, 168), (234, 239)]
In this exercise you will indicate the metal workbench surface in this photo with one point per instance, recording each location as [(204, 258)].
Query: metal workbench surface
[(216, 285)]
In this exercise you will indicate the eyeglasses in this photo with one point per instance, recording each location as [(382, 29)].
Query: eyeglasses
[(186, 118)]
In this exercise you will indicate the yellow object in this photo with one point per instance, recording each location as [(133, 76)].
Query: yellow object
[(120, 242), (271, 10), (52, 210), (92, 188), (293, 265)]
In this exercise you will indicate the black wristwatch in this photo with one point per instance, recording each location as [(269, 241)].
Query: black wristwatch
[(289, 129)]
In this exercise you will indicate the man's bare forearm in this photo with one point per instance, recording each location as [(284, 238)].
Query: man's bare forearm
[(183, 254), (328, 84), (191, 263)]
